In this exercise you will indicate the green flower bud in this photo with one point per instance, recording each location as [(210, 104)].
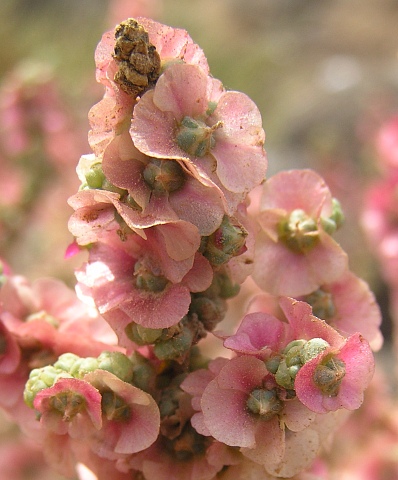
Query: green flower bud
[(226, 242), (313, 348), (69, 404), (293, 343), (329, 374), (195, 137), (107, 185), (164, 176), (322, 304), (67, 362), (176, 346), (283, 376), (272, 364), (211, 106), (39, 379), (145, 279), (264, 403), (337, 213), (95, 176), (298, 232), (141, 335), (144, 374), (209, 311), (116, 363), (115, 407)]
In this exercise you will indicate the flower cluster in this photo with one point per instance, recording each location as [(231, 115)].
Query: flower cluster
[(114, 380)]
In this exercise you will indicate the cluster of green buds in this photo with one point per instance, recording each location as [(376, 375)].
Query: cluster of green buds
[(70, 365), (299, 232), (206, 310), (336, 219), (195, 137), (226, 242), (286, 366), (322, 304), (264, 403)]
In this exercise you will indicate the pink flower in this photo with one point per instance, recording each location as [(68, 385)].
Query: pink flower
[(131, 417), (136, 281), (387, 143), (335, 370), (112, 115), (336, 378), (294, 252), (259, 334), (70, 406), (189, 117), (243, 407), (162, 189)]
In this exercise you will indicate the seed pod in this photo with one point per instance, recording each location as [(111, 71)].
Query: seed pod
[(137, 58)]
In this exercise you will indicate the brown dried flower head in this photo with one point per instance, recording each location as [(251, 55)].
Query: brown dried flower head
[(137, 58)]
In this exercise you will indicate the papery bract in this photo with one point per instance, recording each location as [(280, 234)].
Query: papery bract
[(294, 256), (358, 366), (233, 149), (131, 416)]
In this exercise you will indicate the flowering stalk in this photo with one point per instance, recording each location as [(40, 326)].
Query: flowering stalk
[(162, 212)]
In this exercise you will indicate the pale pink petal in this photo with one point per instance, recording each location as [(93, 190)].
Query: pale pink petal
[(270, 443), (300, 451), (293, 189), (226, 417), (153, 131), (259, 334), (305, 325), (182, 91)]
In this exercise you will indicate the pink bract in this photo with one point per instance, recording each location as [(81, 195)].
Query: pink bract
[(259, 334), (78, 422), (228, 419), (199, 204), (185, 91), (305, 325), (359, 367), (133, 432), (174, 44), (289, 272), (355, 309), (110, 277)]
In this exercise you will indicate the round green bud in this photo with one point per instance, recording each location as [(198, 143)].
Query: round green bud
[(264, 403), (116, 363), (313, 348)]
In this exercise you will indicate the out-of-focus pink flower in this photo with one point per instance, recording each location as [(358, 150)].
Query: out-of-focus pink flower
[(349, 306), (387, 143), (112, 115), (294, 253), (213, 145)]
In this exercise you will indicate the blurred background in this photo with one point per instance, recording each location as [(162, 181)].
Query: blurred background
[(323, 74)]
